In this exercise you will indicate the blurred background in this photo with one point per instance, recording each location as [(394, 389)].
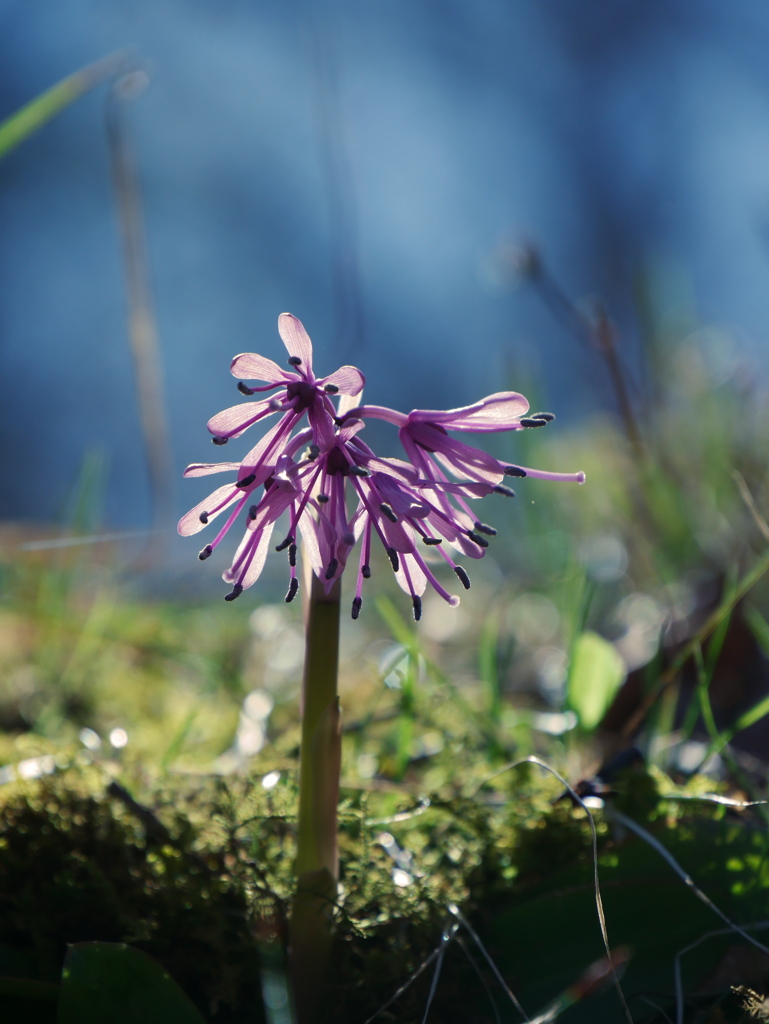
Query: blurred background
[(374, 169)]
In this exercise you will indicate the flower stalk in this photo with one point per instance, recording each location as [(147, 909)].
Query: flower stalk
[(316, 866)]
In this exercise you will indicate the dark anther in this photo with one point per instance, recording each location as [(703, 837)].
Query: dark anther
[(203, 517), (244, 389), (514, 471), (548, 417), (392, 554), (333, 565), (246, 481), (477, 539), (219, 440), (285, 543), (294, 361), (386, 510), (292, 589), (313, 452), (507, 492), (432, 540), (365, 571), (464, 579), (417, 607), (488, 530), (323, 498), (356, 603), (205, 553), (331, 389), (252, 512), (236, 591), (292, 555), (348, 539), (358, 471), (338, 422), (531, 421)]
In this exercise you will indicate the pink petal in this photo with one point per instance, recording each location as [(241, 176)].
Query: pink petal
[(296, 339), (191, 524), (462, 459), (258, 557), (499, 411), (250, 366), (410, 576), (207, 468), (233, 421), (347, 379)]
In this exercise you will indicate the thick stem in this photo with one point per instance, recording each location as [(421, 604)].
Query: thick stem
[(320, 761)]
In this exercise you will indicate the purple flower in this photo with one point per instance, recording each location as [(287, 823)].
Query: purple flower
[(416, 508)]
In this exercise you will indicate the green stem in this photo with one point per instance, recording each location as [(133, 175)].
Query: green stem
[(316, 864)]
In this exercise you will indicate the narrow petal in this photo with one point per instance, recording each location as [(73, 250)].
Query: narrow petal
[(207, 468), (233, 421), (346, 404), (250, 366), (250, 558), (212, 505), (348, 380), (462, 459), (297, 340), (499, 411)]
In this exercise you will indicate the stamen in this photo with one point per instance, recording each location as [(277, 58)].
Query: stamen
[(331, 389), (356, 603), (323, 498), (246, 481), (292, 589), (432, 540), (477, 539), (483, 528), (464, 579), (507, 492), (292, 556), (358, 471), (294, 361), (548, 417), (532, 421), (348, 539), (365, 571), (252, 512), (312, 453), (205, 553), (244, 389), (514, 471), (286, 543), (219, 440), (203, 517), (236, 591), (275, 405), (333, 565), (417, 601), (392, 554), (387, 510)]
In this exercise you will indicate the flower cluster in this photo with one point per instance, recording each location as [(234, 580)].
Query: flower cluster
[(415, 507)]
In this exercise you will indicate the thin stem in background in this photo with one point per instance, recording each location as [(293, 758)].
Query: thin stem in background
[(142, 327)]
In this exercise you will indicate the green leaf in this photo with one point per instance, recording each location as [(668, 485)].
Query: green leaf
[(595, 675), (109, 981), (37, 112)]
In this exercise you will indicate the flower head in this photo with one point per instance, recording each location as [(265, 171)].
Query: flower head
[(335, 491)]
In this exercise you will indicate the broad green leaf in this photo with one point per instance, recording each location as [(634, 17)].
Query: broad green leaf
[(109, 981), (596, 673), (39, 111)]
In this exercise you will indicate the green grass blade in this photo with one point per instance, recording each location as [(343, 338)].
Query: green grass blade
[(39, 111)]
